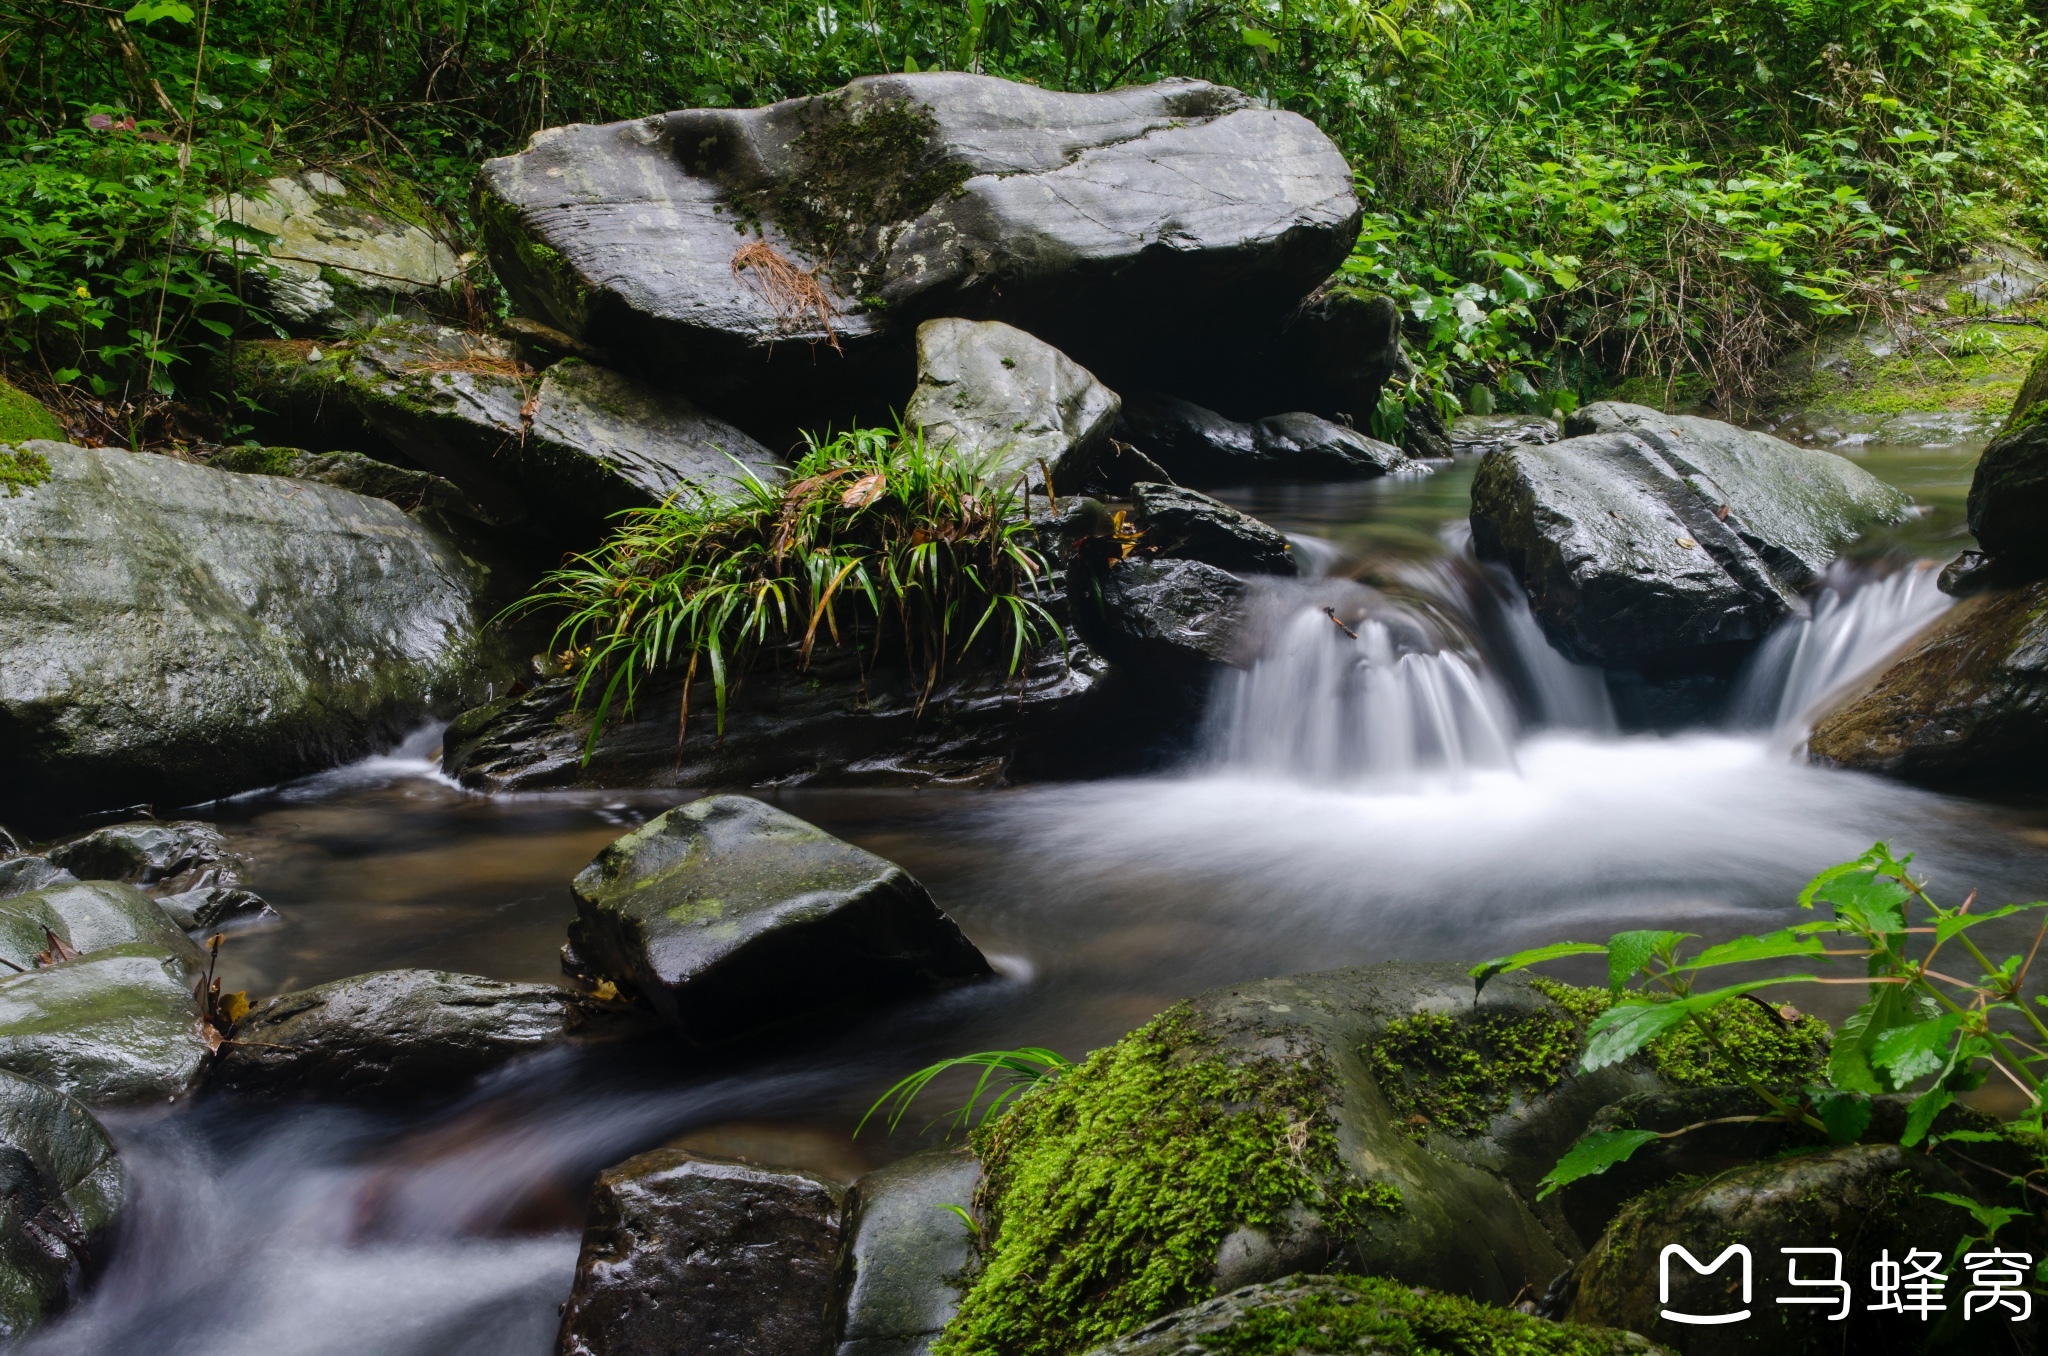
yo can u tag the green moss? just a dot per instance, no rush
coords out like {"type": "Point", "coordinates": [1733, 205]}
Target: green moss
{"type": "Point", "coordinates": [22, 417]}
{"type": "Point", "coordinates": [1766, 1047]}
{"type": "Point", "coordinates": [1440, 1073]}
{"type": "Point", "coordinates": [1983, 369]}
{"type": "Point", "coordinates": [1386, 1318]}
{"type": "Point", "coordinates": [866, 169]}
{"type": "Point", "coordinates": [21, 469]}
{"type": "Point", "coordinates": [259, 461]}
{"type": "Point", "coordinates": [1107, 1194]}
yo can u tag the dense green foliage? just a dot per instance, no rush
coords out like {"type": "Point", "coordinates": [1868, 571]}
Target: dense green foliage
{"type": "Point", "coordinates": [875, 538]}
{"type": "Point", "coordinates": [1561, 194]}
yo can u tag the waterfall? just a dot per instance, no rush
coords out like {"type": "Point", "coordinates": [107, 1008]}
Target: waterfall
{"type": "Point", "coordinates": [1857, 623]}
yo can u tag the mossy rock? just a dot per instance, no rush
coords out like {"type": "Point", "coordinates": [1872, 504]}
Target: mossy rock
{"type": "Point", "coordinates": [1357, 1316]}
{"type": "Point", "coordinates": [114, 1027]}
{"type": "Point", "coordinates": [2009, 493]}
{"type": "Point", "coordinates": [22, 418]}
{"type": "Point", "coordinates": [65, 1191]}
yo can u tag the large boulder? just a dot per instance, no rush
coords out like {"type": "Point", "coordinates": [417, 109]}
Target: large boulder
{"type": "Point", "coordinates": [89, 917]}
{"type": "Point", "coordinates": [1185, 525]}
{"type": "Point", "coordinates": [146, 852]}
{"type": "Point", "coordinates": [1967, 703]}
{"type": "Point", "coordinates": [1154, 220]}
{"type": "Point", "coordinates": [906, 1253]}
{"type": "Point", "coordinates": [729, 916]}
{"type": "Point", "coordinates": [1197, 446]}
{"type": "Point", "coordinates": [563, 448]}
{"type": "Point", "coordinates": [173, 633]}
{"type": "Point", "coordinates": [2008, 504]}
{"type": "Point", "coordinates": [339, 256]}
{"type": "Point", "coordinates": [685, 1253]}
{"type": "Point", "coordinates": [1662, 542]}
{"type": "Point", "coordinates": [995, 396]}
{"type": "Point", "coordinates": [62, 1190]}
{"type": "Point", "coordinates": [403, 1035]}
{"type": "Point", "coordinates": [1368, 1315]}
{"type": "Point", "coordinates": [1868, 1201]}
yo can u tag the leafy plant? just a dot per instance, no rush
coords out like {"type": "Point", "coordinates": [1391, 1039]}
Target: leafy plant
{"type": "Point", "coordinates": [1923, 1025]}
{"type": "Point", "coordinates": [1004, 1074]}
{"type": "Point", "coordinates": [873, 530]}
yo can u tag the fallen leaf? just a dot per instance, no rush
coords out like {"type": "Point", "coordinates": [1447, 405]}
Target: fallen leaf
{"type": "Point", "coordinates": [864, 491]}
{"type": "Point", "coordinates": [1722, 513]}
{"type": "Point", "coordinates": [234, 1006]}
{"type": "Point", "coordinates": [605, 992]}
{"type": "Point", "coordinates": [1687, 542]}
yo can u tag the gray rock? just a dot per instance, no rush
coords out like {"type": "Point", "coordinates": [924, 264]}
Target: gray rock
{"type": "Point", "coordinates": [1968, 703]}
{"type": "Point", "coordinates": [1334, 355]}
{"type": "Point", "coordinates": [1474, 434]}
{"type": "Point", "coordinates": [175, 633]}
{"type": "Point", "coordinates": [2009, 491]}
{"type": "Point", "coordinates": [1173, 614]}
{"type": "Point", "coordinates": [1865, 1199]}
{"type": "Point", "coordinates": [19, 875]}
{"type": "Point", "coordinates": [685, 1253]}
{"type": "Point", "coordinates": [1352, 1313]}
{"type": "Point", "coordinates": [1179, 212]}
{"type": "Point", "coordinates": [1184, 525]}
{"type": "Point", "coordinates": [339, 258]}
{"type": "Point", "coordinates": [402, 1035]}
{"type": "Point", "coordinates": [906, 1253]}
{"type": "Point", "coordinates": [64, 1190]}
{"type": "Point", "coordinates": [216, 906]}
{"type": "Point", "coordinates": [420, 493]}
{"type": "Point", "coordinates": [565, 448]}
{"type": "Point", "coordinates": [145, 852]}
{"type": "Point", "coordinates": [996, 396]}
{"type": "Point", "coordinates": [729, 916]}
{"type": "Point", "coordinates": [1659, 542]}
{"type": "Point", "coordinates": [89, 917]}
{"type": "Point", "coordinates": [1307, 447]}
{"type": "Point", "coordinates": [114, 1027]}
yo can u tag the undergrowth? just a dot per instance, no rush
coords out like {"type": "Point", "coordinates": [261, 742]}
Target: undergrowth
{"type": "Point", "coordinates": [1357, 1314]}
{"type": "Point", "coordinates": [1107, 1191]}
{"type": "Point", "coordinates": [875, 540]}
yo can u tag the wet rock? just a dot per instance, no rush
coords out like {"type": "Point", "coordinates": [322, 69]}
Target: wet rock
{"type": "Point", "coordinates": [1865, 1199]}
{"type": "Point", "coordinates": [715, 1258]}
{"type": "Point", "coordinates": [1198, 446]}
{"type": "Point", "coordinates": [341, 257]}
{"type": "Point", "coordinates": [212, 907]}
{"type": "Point", "coordinates": [1475, 434]}
{"type": "Point", "coordinates": [1363, 1314]}
{"type": "Point", "coordinates": [1424, 434]}
{"type": "Point", "coordinates": [115, 1027]}
{"type": "Point", "coordinates": [564, 448]}
{"type": "Point", "coordinates": [993, 395]}
{"type": "Point", "coordinates": [176, 633]}
{"type": "Point", "coordinates": [405, 1035]}
{"type": "Point", "coordinates": [1664, 542]}
{"type": "Point", "coordinates": [1178, 615]}
{"type": "Point", "coordinates": [906, 1253]}
{"type": "Point", "coordinates": [2009, 492]}
{"type": "Point", "coordinates": [89, 917]}
{"type": "Point", "coordinates": [63, 1194]}
{"type": "Point", "coordinates": [145, 853]}
{"type": "Point", "coordinates": [1334, 355]}
{"type": "Point", "coordinates": [420, 493]}
{"type": "Point", "coordinates": [831, 724]}
{"type": "Point", "coordinates": [19, 875]}
{"type": "Point", "coordinates": [1153, 220]}
{"type": "Point", "coordinates": [1184, 525]}
{"type": "Point", "coordinates": [1967, 703]}
{"type": "Point", "coordinates": [729, 916]}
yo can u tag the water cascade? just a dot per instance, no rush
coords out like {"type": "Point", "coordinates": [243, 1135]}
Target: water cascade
{"type": "Point", "coordinates": [1857, 622]}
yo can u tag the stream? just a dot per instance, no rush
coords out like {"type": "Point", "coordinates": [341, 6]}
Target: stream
{"type": "Point", "coordinates": [1417, 777]}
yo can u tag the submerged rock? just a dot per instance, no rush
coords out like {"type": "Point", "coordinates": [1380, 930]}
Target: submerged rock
{"type": "Point", "coordinates": [402, 1035]}
{"type": "Point", "coordinates": [564, 448]}
{"type": "Point", "coordinates": [685, 1253]}
{"type": "Point", "coordinates": [145, 853]}
{"type": "Point", "coordinates": [906, 1253]}
{"type": "Point", "coordinates": [1155, 220]}
{"type": "Point", "coordinates": [1867, 1200]}
{"type": "Point", "coordinates": [998, 398]}
{"type": "Point", "coordinates": [729, 917]}
{"type": "Point", "coordinates": [174, 633]}
{"type": "Point", "coordinates": [1198, 446]}
{"type": "Point", "coordinates": [1184, 525]}
{"type": "Point", "coordinates": [64, 1193]}
{"type": "Point", "coordinates": [1364, 1314]}
{"type": "Point", "coordinates": [339, 258]}
{"type": "Point", "coordinates": [1968, 702]}
{"type": "Point", "coordinates": [1666, 542]}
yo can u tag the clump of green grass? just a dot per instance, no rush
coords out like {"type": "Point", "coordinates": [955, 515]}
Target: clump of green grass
{"type": "Point", "coordinates": [874, 540]}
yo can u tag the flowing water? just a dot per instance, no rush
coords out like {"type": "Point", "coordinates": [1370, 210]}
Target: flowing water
{"type": "Point", "coordinates": [1409, 772]}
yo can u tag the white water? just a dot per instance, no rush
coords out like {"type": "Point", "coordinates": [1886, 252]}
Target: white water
{"type": "Point", "coordinates": [1857, 623]}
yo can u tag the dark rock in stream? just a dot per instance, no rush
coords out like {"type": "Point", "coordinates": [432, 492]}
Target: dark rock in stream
{"type": "Point", "coordinates": [1145, 225]}
{"type": "Point", "coordinates": [2008, 504]}
{"type": "Point", "coordinates": [1001, 400]}
{"type": "Point", "coordinates": [173, 633]}
{"type": "Point", "coordinates": [1177, 618]}
{"type": "Point", "coordinates": [19, 875]}
{"type": "Point", "coordinates": [1198, 446]}
{"type": "Point", "coordinates": [730, 917]}
{"type": "Point", "coordinates": [685, 1253]}
{"type": "Point", "coordinates": [216, 906]}
{"type": "Point", "coordinates": [1189, 526]}
{"type": "Point", "coordinates": [62, 1190]}
{"type": "Point", "coordinates": [906, 1254]}
{"type": "Point", "coordinates": [145, 853]}
{"type": "Point", "coordinates": [1667, 543]}
{"type": "Point", "coordinates": [404, 1035]}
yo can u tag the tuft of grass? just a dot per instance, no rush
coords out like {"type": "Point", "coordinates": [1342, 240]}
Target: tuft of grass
{"type": "Point", "coordinates": [1017, 1070]}
{"type": "Point", "coordinates": [875, 539]}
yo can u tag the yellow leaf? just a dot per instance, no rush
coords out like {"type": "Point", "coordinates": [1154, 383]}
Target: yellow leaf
{"type": "Point", "coordinates": [234, 1006]}
{"type": "Point", "coordinates": [606, 991]}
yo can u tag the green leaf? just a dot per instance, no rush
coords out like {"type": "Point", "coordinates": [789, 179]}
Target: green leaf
{"type": "Point", "coordinates": [1949, 924]}
{"type": "Point", "coordinates": [1845, 1114]}
{"type": "Point", "coordinates": [1991, 1218]}
{"type": "Point", "coordinates": [149, 11]}
{"type": "Point", "coordinates": [1628, 952]}
{"type": "Point", "coordinates": [1520, 960]}
{"type": "Point", "coordinates": [1627, 1027]}
{"type": "Point", "coordinates": [1873, 903]}
{"type": "Point", "coordinates": [1771, 946]}
{"type": "Point", "coordinates": [1593, 1155]}
{"type": "Point", "coordinates": [1920, 1115]}
{"type": "Point", "coordinates": [1910, 1053]}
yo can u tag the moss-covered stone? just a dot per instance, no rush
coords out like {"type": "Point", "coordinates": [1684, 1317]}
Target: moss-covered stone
{"type": "Point", "coordinates": [1109, 1193]}
{"type": "Point", "coordinates": [22, 468]}
{"type": "Point", "coordinates": [1438, 1073]}
{"type": "Point", "coordinates": [65, 1189]}
{"type": "Point", "coordinates": [1752, 1042]}
{"type": "Point", "coordinates": [22, 418]}
{"type": "Point", "coordinates": [1357, 1315]}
